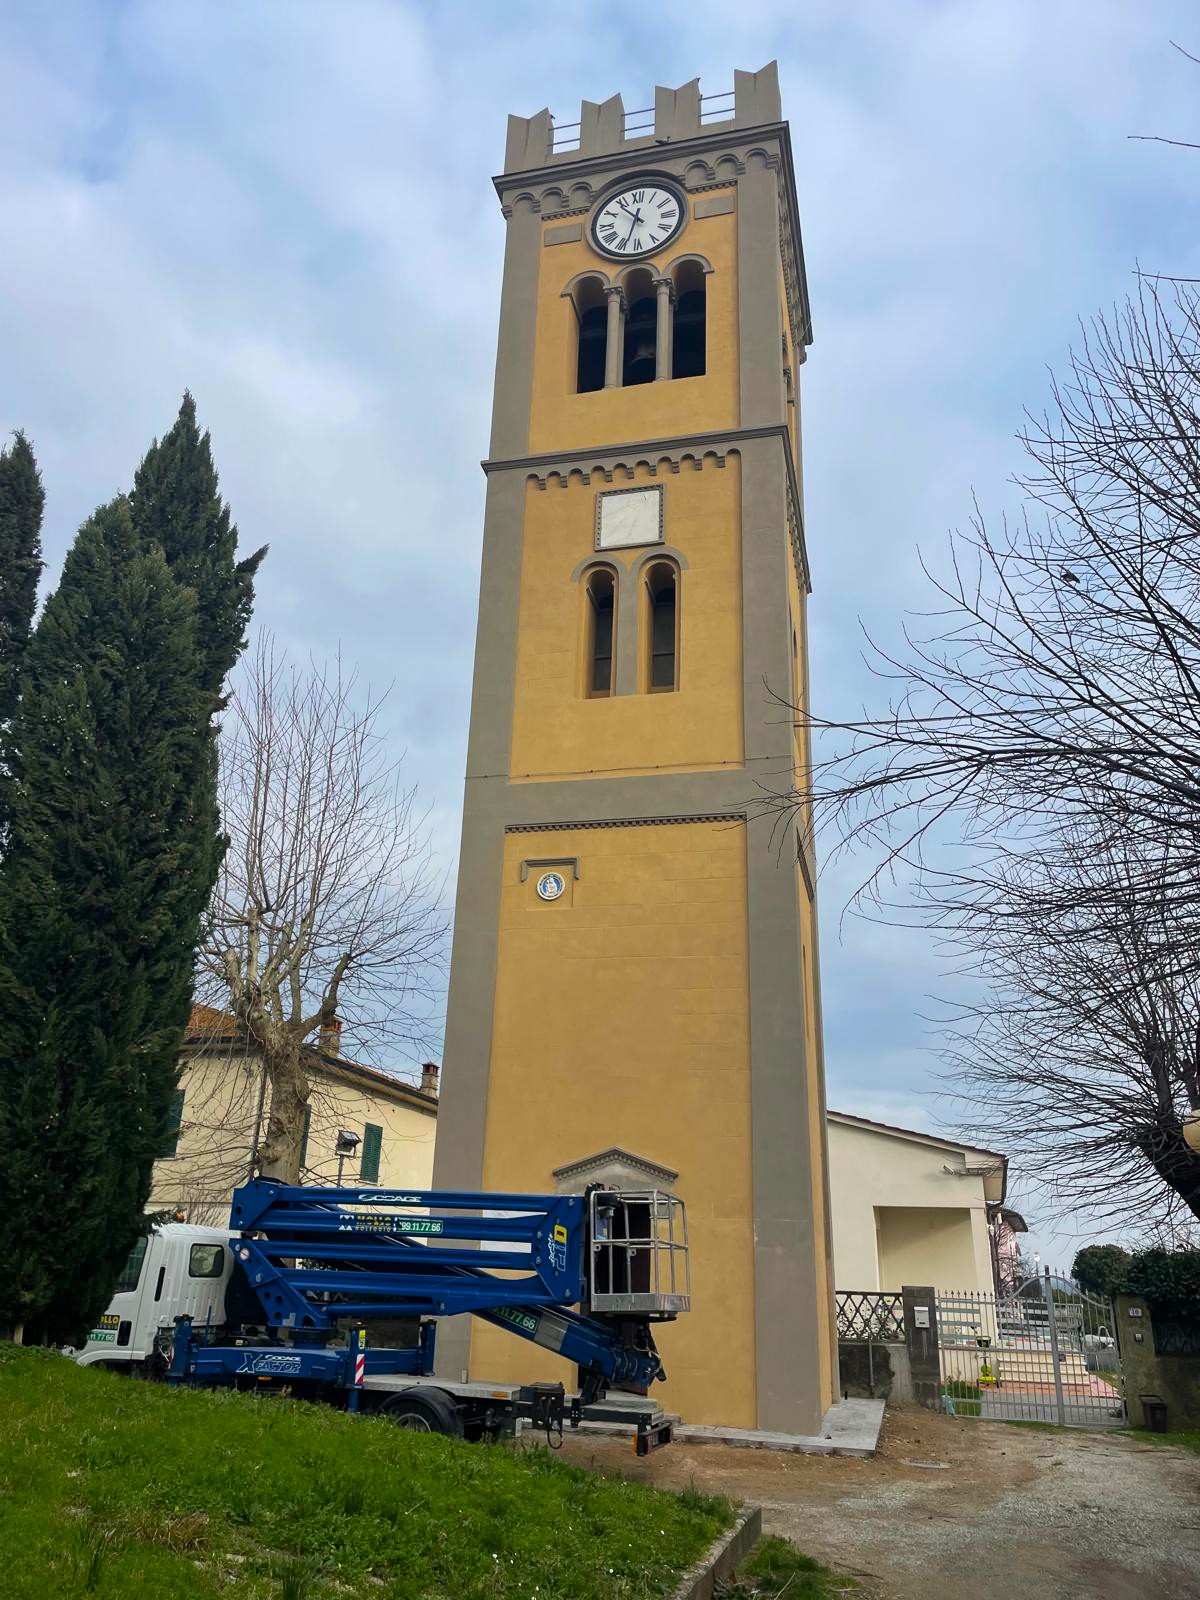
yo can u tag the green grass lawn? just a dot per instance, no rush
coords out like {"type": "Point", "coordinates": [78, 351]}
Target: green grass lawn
{"type": "Point", "coordinates": [777, 1571]}
{"type": "Point", "coordinates": [111, 1487]}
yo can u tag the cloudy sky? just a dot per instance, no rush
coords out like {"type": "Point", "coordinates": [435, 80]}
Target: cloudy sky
{"type": "Point", "coordinates": [284, 205]}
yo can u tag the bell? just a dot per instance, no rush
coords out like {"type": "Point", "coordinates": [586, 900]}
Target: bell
{"type": "Point", "coordinates": [640, 363]}
{"type": "Point", "coordinates": [644, 349]}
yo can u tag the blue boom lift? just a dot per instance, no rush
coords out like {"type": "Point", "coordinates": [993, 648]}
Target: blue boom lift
{"type": "Point", "coordinates": [583, 1275]}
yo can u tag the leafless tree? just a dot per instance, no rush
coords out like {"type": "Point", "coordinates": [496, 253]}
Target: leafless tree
{"type": "Point", "coordinates": [1083, 1054]}
{"type": "Point", "coordinates": [327, 905]}
{"type": "Point", "coordinates": [1035, 782]}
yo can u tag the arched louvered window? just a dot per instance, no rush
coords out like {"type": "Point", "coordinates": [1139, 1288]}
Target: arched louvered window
{"type": "Point", "coordinates": [662, 632]}
{"type": "Point", "coordinates": [689, 332]}
{"type": "Point", "coordinates": [592, 314]}
{"type": "Point", "coordinates": [600, 622]}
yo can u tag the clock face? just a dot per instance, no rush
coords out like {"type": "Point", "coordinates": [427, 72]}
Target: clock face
{"type": "Point", "coordinates": [638, 220]}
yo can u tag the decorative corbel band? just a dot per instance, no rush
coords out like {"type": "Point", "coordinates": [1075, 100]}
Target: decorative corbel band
{"type": "Point", "coordinates": [622, 822]}
{"type": "Point", "coordinates": [561, 477]}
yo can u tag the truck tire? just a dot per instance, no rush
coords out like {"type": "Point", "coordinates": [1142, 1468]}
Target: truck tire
{"type": "Point", "coordinates": [424, 1411]}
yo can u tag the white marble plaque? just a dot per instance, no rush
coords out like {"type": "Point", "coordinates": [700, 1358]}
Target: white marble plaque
{"type": "Point", "coordinates": [627, 517]}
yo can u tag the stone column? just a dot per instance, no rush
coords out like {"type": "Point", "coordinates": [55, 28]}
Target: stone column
{"type": "Point", "coordinates": [614, 348]}
{"type": "Point", "coordinates": [665, 328]}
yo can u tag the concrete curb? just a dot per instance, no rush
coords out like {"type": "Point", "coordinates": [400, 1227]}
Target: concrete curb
{"type": "Point", "coordinates": [722, 1558]}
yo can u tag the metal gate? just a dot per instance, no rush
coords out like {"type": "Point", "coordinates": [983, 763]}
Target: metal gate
{"type": "Point", "coordinates": [1047, 1353]}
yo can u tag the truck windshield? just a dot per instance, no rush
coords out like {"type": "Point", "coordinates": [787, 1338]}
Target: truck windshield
{"type": "Point", "coordinates": [132, 1270]}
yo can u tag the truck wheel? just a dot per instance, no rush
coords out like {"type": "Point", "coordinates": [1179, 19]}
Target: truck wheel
{"type": "Point", "coordinates": [424, 1411]}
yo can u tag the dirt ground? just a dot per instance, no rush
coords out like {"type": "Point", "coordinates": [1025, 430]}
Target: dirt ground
{"type": "Point", "coordinates": [997, 1512]}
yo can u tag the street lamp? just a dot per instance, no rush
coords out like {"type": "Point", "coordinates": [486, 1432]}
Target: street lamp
{"type": "Point", "coordinates": [347, 1143]}
{"type": "Point", "coordinates": [1191, 1131]}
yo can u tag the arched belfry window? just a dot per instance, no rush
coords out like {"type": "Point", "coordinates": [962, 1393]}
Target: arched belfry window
{"type": "Point", "coordinates": [641, 330]}
{"type": "Point", "coordinates": [662, 630]}
{"type": "Point", "coordinates": [591, 310]}
{"type": "Point", "coordinates": [600, 622]}
{"type": "Point", "coordinates": [689, 334]}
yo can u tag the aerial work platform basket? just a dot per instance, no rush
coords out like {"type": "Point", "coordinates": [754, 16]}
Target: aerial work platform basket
{"type": "Point", "coordinates": [639, 1253]}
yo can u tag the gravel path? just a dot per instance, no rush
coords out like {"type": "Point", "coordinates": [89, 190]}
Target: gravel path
{"type": "Point", "coordinates": [965, 1508]}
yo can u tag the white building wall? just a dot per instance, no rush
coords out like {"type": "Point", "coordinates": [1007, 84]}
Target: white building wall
{"type": "Point", "coordinates": [872, 1169]}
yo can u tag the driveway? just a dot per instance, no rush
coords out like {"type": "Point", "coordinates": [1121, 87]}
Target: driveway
{"type": "Point", "coordinates": [995, 1512]}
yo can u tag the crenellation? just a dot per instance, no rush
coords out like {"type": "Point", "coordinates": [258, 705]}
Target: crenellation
{"type": "Point", "coordinates": [606, 128]}
{"type": "Point", "coordinates": [756, 97]}
{"type": "Point", "coordinates": [529, 141]}
{"type": "Point", "coordinates": [677, 112]}
{"type": "Point", "coordinates": [601, 126]}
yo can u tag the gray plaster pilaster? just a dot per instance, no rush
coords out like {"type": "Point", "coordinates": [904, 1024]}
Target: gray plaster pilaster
{"type": "Point", "coordinates": [462, 1109]}
{"type": "Point", "coordinates": [760, 316]}
{"type": "Point", "coordinates": [512, 395]}
{"type": "Point", "coordinates": [784, 1251]}
{"type": "Point", "coordinates": [496, 632]}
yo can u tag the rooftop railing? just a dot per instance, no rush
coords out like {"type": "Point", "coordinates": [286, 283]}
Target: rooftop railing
{"type": "Point", "coordinates": [565, 136]}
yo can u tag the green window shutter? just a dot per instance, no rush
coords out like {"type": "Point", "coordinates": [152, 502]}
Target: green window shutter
{"type": "Point", "coordinates": [304, 1138]}
{"type": "Point", "coordinates": [371, 1148]}
{"type": "Point", "coordinates": [171, 1142]}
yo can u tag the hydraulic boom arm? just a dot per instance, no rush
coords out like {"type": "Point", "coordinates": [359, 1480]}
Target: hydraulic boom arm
{"type": "Point", "coordinates": [320, 1259]}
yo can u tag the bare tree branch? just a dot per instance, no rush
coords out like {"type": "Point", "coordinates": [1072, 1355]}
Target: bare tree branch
{"type": "Point", "coordinates": [1035, 781]}
{"type": "Point", "coordinates": [328, 904]}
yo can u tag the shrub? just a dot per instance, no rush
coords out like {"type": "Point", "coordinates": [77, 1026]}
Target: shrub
{"type": "Point", "coordinates": [1168, 1279]}
{"type": "Point", "coordinates": [1101, 1268]}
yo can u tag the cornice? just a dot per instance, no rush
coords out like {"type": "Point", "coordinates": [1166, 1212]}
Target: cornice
{"type": "Point", "coordinates": [669, 444]}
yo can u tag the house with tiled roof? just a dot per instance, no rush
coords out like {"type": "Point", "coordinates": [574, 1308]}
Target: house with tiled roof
{"type": "Point", "coordinates": [913, 1206]}
{"type": "Point", "coordinates": [221, 1108]}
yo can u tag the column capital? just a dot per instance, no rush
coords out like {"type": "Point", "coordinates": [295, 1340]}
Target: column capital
{"type": "Point", "coordinates": [615, 291]}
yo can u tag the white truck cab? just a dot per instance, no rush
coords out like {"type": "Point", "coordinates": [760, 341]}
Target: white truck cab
{"type": "Point", "coordinates": [178, 1269]}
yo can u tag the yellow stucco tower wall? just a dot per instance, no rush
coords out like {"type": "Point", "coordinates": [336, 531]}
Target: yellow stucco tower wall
{"type": "Point", "coordinates": [662, 1013]}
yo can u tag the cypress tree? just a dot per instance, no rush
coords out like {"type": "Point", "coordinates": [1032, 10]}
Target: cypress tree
{"type": "Point", "coordinates": [97, 921]}
{"type": "Point", "coordinates": [21, 503]}
{"type": "Point", "coordinates": [116, 846]}
{"type": "Point", "coordinates": [176, 504]}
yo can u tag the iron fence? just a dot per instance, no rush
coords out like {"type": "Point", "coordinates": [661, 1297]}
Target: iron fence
{"type": "Point", "coordinates": [870, 1316]}
{"type": "Point", "coordinates": [1173, 1336]}
{"type": "Point", "coordinates": [1045, 1354]}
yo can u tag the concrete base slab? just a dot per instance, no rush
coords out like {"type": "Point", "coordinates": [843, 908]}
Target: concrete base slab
{"type": "Point", "coordinates": [849, 1428]}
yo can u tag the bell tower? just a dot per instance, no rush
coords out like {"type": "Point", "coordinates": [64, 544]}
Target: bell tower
{"type": "Point", "coordinates": [634, 986]}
